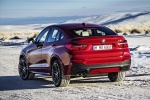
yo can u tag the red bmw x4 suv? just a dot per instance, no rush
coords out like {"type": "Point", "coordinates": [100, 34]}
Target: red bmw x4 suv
{"type": "Point", "coordinates": [79, 49]}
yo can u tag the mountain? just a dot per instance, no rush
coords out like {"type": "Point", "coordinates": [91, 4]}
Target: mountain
{"type": "Point", "coordinates": [116, 19]}
{"type": "Point", "coordinates": [36, 20]}
{"type": "Point", "coordinates": [130, 18]}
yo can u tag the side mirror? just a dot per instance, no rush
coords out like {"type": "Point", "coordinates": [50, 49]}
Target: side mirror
{"type": "Point", "coordinates": [31, 40]}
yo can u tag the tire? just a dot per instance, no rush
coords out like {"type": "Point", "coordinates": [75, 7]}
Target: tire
{"type": "Point", "coordinates": [117, 77]}
{"type": "Point", "coordinates": [24, 70]}
{"type": "Point", "coordinates": [58, 77]}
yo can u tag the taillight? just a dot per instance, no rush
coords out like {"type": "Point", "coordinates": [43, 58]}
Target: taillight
{"type": "Point", "coordinates": [122, 44]}
{"type": "Point", "coordinates": [75, 47]}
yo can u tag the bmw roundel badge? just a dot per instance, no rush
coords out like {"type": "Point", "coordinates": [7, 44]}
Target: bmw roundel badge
{"type": "Point", "coordinates": [103, 41]}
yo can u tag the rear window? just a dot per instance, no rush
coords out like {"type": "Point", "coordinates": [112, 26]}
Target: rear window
{"type": "Point", "coordinates": [102, 31]}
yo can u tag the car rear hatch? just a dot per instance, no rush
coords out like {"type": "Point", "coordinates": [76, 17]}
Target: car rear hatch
{"type": "Point", "coordinates": [97, 49]}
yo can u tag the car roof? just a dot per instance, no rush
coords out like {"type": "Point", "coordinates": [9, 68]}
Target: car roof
{"type": "Point", "coordinates": [76, 25]}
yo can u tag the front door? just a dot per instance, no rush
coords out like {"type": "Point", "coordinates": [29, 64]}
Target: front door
{"type": "Point", "coordinates": [35, 57]}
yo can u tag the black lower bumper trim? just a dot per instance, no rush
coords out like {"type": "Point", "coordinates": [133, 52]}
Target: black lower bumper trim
{"type": "Point", "coordinates": [80, 68]}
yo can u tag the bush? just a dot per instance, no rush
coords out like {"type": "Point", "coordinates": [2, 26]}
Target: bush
{"type": "Point", "coordinates": [135, 31]}
{"type": "Point", "coordinates": [125, 34]}
{"type": "Point", "coordinates": [130, 29]}
{"type": "Point", "coordinates": [147, 31]}
{"type": "Point", "coordinates": [15, 37]}
{"type": "Point", "coordinates": [118, 31]}
{"type": "Point", "coordinates": [34, 35]}
{"type": "Point", "coordinates": [4, 38]}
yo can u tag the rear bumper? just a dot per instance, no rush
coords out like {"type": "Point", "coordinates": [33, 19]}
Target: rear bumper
{"type": "Point", "coordinates": [100, 68]}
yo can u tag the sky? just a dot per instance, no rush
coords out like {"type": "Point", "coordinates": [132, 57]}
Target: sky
{"type": "Point", "coordinates": [59, 8]}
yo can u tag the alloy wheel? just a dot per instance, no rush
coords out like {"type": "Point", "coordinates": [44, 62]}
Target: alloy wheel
{"type": "Point", "coordinates": [56, 73]}
{"type": "Point", "coordinates": [23, 69]}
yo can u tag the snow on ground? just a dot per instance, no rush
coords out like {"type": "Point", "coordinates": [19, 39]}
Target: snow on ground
{"type": "Point", "coordinates": [135, 87]}
{"type": "Point", "coordinates": [140, 52]}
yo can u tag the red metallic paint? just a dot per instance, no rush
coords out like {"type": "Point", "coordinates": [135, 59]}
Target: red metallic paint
{"type": "Point", "coordinates": [40, 56]}
{"type": "Point", "coordinates": [104, 70]}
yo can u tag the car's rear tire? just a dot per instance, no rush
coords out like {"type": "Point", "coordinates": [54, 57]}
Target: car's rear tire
{"type": "Point", "coordinates": [117, 77]}
{"type": "Point", "coordinates": [59, 79]}
{"type": "Point", "coordinates": [24, 70]}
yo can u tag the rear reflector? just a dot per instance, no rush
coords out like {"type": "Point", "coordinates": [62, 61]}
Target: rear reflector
{"type": "Point", "coordinates": [104, 70]}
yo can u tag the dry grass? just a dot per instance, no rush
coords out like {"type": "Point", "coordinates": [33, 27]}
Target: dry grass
{"type": "Point", "coordinates": [125, 29]}
{"type": "Point", "coordinates": [130, 29]}
{"type": "Point", "coordinates": [4, 36]}
{"type": "Point", "coordinates": [35, 34]}
{"type": "Point", "coordinates": [18, 34]}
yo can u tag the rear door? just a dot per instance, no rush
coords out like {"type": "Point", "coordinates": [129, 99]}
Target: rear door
{"type": "Point", "coordinates": [49, 46]}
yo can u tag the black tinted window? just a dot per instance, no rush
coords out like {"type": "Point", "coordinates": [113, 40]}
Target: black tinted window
{"type": "Point", "coordinates": [52, 35]}
{"type": "Point", "coordinates": [58, 36]}
{"type": "Point", "coordinates": [92, 31]}
{"type": "Point", "coordinates": [61, 36]}
{"type": "Point", "coordinates": [55, 35]}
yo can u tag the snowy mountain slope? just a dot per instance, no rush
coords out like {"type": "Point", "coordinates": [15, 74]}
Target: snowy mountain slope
{"type": "Point", "coordinates": [131, 18]}
{"type": "Point", "coordinates": [115, 19]}
{"type": "Point", "coordinates": [118, 18]}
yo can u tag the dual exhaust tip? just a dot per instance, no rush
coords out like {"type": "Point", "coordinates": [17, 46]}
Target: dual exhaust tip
{"type": "Point", "coordinates": [82, 74]}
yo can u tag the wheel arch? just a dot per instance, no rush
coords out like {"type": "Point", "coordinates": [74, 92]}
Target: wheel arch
{"type": "Point", "coordinates": [56, 57]}
{"type": "Point", "coordinates": [22, 55]}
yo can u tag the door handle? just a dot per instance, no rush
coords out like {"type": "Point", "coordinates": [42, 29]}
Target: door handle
{"type": "Point", "coordinates": [39, 47]}
{"type": "Point", "coordinates": [53, 44]}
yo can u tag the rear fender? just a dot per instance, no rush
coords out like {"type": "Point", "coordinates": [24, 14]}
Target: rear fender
{"type": "Point", "coordinates": [56, 57]}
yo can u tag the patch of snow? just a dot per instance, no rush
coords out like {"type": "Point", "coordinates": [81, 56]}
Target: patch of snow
{"type": "Point", "coordinates": [140, 54]}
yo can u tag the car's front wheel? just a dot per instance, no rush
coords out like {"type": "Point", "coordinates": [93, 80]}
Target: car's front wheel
{"type": "Point", "coordinates": [24, 70]}
{"type": "Point", "coordinates": [117, 77]}
{"type": "Point", "coordinates": [59, 79]}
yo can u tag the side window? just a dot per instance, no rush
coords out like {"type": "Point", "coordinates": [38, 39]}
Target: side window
{"type": "Point", "coordinates": [61, 36]}
{"type": "Point", "coordinates": [52, 35]}
{"type": "Point", "coordinates": [42, 36]}
{"type": "Point", "coordinates": [55, 35]}
{"type": "Point", "coordinates": [100, 32]}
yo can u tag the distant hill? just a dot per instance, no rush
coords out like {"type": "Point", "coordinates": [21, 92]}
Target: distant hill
{"type": "Point", "coordinates": [36, 20]}
{"type": "Point", "coordinates": [116, 19]}
{"type": "Point", "coordinates": [38, 23]}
